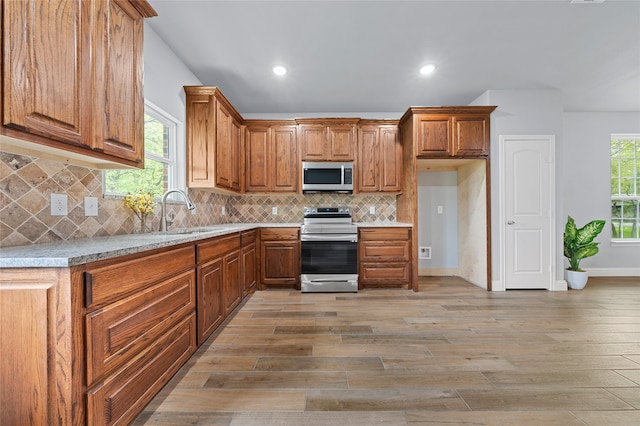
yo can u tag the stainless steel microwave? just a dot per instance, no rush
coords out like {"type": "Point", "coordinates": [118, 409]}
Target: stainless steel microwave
{"type": "Point", "coordinates": [328, 176]}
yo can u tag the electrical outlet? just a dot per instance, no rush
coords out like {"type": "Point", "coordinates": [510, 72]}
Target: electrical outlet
{"type": "Point", "coordinates": [440, 209]}
{"type": "Point", "coordinates": [58, 204]}
{"type": "Point", "coordinates": [90, 206]}
{"type": "Point", "coordinates": [274, 211]}
{"type": "Point", "coordinates": [424, 253]}
{"type": "Point", "coordinates": [223, 211]}
{"type": "Point", "coordinates": [372, 209]}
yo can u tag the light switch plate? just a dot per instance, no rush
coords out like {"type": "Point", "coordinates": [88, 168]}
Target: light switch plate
{"type": "Point", "coordinates": [58, 204]}
{"type": "Point", "coordinates": [274, 210]}
{"type": "Point", "coordinates": [372, 209]}
{"type": "Point", "coordinates": [90, 206]}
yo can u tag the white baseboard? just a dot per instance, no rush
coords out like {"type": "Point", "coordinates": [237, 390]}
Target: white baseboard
{"type": "Point", "coordinates": [559, 285]}
{"type": "Point", "coordinates": [497, 286]}
{"type": "Point", "coordinates": [613, 272]}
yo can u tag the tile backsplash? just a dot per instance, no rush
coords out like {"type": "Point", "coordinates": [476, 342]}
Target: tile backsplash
{"type": "Point", "coordinates": [26, 185]}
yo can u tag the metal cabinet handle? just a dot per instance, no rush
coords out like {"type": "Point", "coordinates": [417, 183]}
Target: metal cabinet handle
{"type": "Point", "coordinates": [510, 222]}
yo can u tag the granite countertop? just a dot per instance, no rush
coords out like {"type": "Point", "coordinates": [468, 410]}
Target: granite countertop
{"type": "Point", "coordinates": [63, 254]}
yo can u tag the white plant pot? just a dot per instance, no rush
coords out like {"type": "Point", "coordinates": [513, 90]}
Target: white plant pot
{"type": "Point", "coordinates": [577, 279]}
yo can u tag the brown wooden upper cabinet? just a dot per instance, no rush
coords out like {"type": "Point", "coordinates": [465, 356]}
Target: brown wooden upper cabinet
{"type": "Point", "coordinates": [271, 156]}
{"type": "Point", "coordinates": [379, 160]}
{"type": "Point", "coordinates": [214, 141]}
{"type": "Point", "coordinates": [327, 139]}
{"type": "Point", "coordinates": [89, 101]}
{"type": "Point", "coordinates": [451, 131]}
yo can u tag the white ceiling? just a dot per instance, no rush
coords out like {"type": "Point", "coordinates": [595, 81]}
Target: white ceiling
{"type": "Point", "coordinates": [363, 56]}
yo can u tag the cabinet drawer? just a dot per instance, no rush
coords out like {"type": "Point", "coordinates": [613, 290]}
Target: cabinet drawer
{"type": "Point", "coordinates": [215, 248]}
{"type": "Point", "coordinates": [119, 331]}
{"type": "Point", "coordinates": [384, 251]}
{"type": "Point", "coordinates": [122, 396]}
{"type": "Point", "coordinates": [248, 237]}
{"type": "Point", "coordinates": [384, 234]}
{"type": "Point", "coordinates": [112, 282]}
{"type": "Point", "coordinates": [387, 273]}
{"type": "Point", "coordinates": [279, 234]}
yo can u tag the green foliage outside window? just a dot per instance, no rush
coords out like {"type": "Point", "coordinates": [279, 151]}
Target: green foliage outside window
{"type": "Point", "coordinates": [154, 177]}
{"type": "Point", "coordinates": [625, 187]}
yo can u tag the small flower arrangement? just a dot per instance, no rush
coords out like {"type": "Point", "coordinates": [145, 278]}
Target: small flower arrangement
{"type": "Point", "coordinates": [142, 203]}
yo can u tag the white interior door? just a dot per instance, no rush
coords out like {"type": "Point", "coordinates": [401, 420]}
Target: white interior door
{"type": "Point", "coordinates": [527, 211]}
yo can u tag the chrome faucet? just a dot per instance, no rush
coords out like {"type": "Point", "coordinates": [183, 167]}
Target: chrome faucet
{"type": "Point", "coordinates": [163, 211]}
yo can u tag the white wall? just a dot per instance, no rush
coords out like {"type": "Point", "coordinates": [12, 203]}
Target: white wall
{"type": "Point", "coordinates": [438, 231]}
{"type": "Point", "coordinates": [164, 75]}
{"type": "Point", "coordinates": [582, 156]}
{"type": "Point", "coordinates": [587, 190]}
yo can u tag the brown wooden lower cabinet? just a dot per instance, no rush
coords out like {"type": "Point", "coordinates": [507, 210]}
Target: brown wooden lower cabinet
{"type": "Point", "coordinates": [384, 255]}
{"type": "Point", "coordinates": [94, 343]}
{"type": "Point", "coordinates": [279, 258]}
{"type": "Point", "coordinates": [249, 262]}
{"type": "Point", "coordinates": [219, 284]}
{"type": "Point", "coordinates": [139, 327]}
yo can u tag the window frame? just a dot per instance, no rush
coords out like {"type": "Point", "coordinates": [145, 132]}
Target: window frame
{"type": "Point", "coordinates": [176, 154]}
{"type": "Point", "coordinates": [622, 198]}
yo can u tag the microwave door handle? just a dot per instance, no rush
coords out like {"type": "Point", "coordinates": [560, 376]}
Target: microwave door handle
{"type": "Point", "coordinates": [342, 174]}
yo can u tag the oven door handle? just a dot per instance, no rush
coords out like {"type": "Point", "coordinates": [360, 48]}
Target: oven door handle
{"type": "Point", "coordinates": [331, 280]}
{"type": "Point", "coordinates": [352, 238]}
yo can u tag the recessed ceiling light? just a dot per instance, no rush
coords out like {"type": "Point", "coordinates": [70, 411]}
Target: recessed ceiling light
{"type": "Point", "coordinates": [279, 70]}
{"type": "Point", "coordinates": [427, 69]}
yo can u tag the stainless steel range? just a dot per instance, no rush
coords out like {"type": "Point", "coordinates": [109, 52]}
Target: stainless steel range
{"type": "Point", "coordinates": [329, 242]}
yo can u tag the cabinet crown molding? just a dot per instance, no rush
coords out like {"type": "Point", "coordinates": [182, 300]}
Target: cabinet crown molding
{"type": "Point", "coordinates": [447, 110]}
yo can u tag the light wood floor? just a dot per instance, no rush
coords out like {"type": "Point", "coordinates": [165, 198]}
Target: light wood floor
{"type": "Point", "coordinates": [449, 354]}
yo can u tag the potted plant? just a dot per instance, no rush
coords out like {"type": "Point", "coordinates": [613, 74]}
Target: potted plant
{"type": "Point", "coordinates": [579, 244]}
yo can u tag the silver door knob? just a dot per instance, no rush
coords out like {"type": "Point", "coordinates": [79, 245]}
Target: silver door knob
{"type": "Point", "coordinates": [510, 222]}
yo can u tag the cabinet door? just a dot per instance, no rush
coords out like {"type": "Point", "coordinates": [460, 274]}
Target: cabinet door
{"type": "Point", "coordinates": [279, 263]}
{"type": "Point", "coordinates": [46, 69]}
{"type": "Point", "coordinates": [258, 173]}
{"type": "Point", "coordinates": [284, 163]}
{"type": "Point", "coordinates": [119, 104]}
{"type": "Point", "coordinates": [434, 135]}
{"type": "Point", "coordinates": [237, 160]}
{"type": "Point", "coordinates": [390, 160]}
{"type": "Point", "coordinates": [209, 298]}
{"type": "Point", "coordinates": [470, 136]}
{"type": "Point", "coordinates": [248, 269]}
{"type": "Point", "coordinates": [341, 143]}
{"type": "Point", "coordinates": [232, 281]}
{"type": "Point", "coordinates": [314, 142]}
{"type": "Point", "coordinates": [200, 145]}
{"type": "Point", "coordinates": [224, 147]}
{"type": "Point", "coordinates": [368, 153]}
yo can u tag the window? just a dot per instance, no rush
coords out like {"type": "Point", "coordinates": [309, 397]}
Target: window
{"type": "Point", "coordinates": [161, 164]}
{"type": "Point", "coordinates": [625, 187]}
